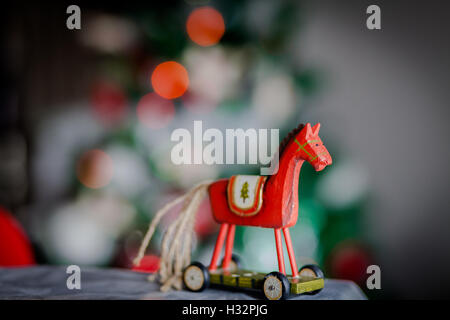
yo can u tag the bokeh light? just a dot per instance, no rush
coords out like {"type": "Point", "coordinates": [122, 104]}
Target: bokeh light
{"type": "Point", "coordinates": [345, 185]}
{"type": "Point", "coordinates": [349, 260]}
{"type": "Point", "coordinates": [215, 74]}
{"type": "Point", "coordinates": [170, 80]}
{"type": "Point", "coordinates": [149, 264]}
{"type": "Point", "coordinates": [197, 104]}
{"type": "Point", "coordinates": [95, 169]}
{"type": "Point", "coordinates": [205, 26]}
{"type": "Point", "coordinates": [76, 237]}
{"type": "Point", "coordinates": [155, 112]}
{"type": "Point", "coordinates": [108, 101]}
{"type": "Point", "coordinates": [274, 92]}
{"type": "Point", "coordinates": [130, 171]}
{"type": "Point", "coordinates": [109, 33]}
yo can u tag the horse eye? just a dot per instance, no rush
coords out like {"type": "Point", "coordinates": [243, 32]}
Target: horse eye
{"type": "Point", "coordinates": [317, 144]}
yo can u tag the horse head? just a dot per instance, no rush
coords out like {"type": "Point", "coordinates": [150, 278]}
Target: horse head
{"type": "Point", "coordinates": [311, 148]}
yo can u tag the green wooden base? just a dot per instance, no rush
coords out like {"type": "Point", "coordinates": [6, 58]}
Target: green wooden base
{"type": "Point", "coordinates": [254, 280]}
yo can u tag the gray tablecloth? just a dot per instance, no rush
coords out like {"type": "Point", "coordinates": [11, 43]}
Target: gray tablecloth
{"type": "Point", "coordinates": [49, 282]}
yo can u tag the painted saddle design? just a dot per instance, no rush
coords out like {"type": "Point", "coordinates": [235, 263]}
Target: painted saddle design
{"type": "Point", "coordinates": [244, 194]}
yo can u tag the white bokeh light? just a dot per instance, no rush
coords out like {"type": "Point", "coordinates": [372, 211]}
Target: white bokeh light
{"type": "Point", "coordinates": [130, 171]}
{"type": "Point", "coordinates": [77, 238]}
{"type": "Point", "coordinates": [274, 99]}
{"type": "Point", "coordinates": [344, 185]}
{"type": "Point", "coordinates": [214, 73]}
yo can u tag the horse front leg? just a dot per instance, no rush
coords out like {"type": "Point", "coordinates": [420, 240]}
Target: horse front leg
{"type": "Point", "coordinates": [218, 247]}
{"type": "Point", "coordinates": [290, 250]}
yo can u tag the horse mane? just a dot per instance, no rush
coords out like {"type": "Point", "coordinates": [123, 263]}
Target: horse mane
{"type": "Point", "coordinates": [286, 140]}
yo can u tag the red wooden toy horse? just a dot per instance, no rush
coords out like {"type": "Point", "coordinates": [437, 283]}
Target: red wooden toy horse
{"type": "Point", "coordinates": [258, 201]}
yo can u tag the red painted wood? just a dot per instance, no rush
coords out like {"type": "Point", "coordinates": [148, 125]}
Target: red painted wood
{"type": "Point", "coordinates": [229, 246]}
{"type": "Point", "coordinates": [290, 250]}
{"type": "Point", "coordinates": [280, 256]}
{"type": "Point", "coordinates": [218, 247]}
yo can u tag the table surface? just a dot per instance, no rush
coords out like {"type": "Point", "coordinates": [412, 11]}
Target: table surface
{"type": "Point", "coordinates": [49, 282]}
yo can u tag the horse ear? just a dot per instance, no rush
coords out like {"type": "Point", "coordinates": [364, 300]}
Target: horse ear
{"type": "Point", "coordinates": [316, 129]}
{"type": "Point", "coordinates": [308, 129]}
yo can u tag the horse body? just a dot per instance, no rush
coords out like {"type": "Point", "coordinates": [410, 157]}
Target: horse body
{"type": "Point", "coordinates": [279, 203]}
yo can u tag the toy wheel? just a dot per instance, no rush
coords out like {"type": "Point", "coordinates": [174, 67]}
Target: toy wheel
{"type": "Point", "coordinates": [196, 277]}
{"type": "Point", "coordinates": [276, 286]}
{"type": "Point", "coordinates": [235, 263]}
{"type": "Point", "coordinates": [313, 271]}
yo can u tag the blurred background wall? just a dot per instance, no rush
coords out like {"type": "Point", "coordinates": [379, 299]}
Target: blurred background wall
{"type": "Point", "coordinates": [69, 111]}
{"type": "Point", "coordinates": [387, 101]}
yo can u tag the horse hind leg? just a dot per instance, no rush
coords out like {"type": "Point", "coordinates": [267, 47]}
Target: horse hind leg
{"type": "Point", "coordinates": [218, 247]}
{"type": "Point", "coordinates": [279, 246]}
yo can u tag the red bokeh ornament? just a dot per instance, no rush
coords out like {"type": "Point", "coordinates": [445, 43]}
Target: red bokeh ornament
{"type": "Point", "coordinates": [149, 263]}
{"type": "Point", "coordinates": [15, 248]}
{"type": "Point", "coordinates": [350, 261]}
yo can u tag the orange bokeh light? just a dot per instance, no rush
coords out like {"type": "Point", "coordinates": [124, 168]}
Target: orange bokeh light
{"type": "Point", "coordinates": [95, 169]}
{"type": "Point", "coordinates": [155, 112]}
{"type": "Point", "coordinates": [170, 80]}
{"type": "Point", "coordinates": [205, 26]}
